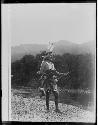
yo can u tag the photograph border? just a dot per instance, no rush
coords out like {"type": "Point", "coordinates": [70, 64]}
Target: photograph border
{"type": "Point", "coordinates": [8, 62]}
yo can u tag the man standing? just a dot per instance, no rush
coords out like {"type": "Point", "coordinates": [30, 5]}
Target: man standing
{"type": "Point", "coordinates": [49, 79]}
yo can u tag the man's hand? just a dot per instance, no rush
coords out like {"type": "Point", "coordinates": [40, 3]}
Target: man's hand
{"type": "Point", "coordinates": [38, 72]}
{"type": "Point", "coordinates": [66, 73]}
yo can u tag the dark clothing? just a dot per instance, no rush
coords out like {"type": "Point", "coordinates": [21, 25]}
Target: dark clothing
{"type": "Point", "coordinates": [47, 98]}
{"type": "Point", "coordinates": [49, 81]}
{"type": "Point", "coordinates": [51, 86]}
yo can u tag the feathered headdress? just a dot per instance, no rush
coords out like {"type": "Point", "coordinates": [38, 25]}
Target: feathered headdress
{"type": "Point", "coordinates": [49, 50]}
{"type": "Point", "coordinates": [50, 47]}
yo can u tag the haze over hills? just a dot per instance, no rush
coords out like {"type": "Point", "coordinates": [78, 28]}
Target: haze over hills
{"type": "Point", "coordinates": [60, 47]}
{"type": "Point", "coordinates": [18, 52]}
{"type": "Point", "coordinates": [63, 46]}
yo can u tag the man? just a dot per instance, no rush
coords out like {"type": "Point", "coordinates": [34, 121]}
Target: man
{"type": "Point", "coordinates": [49, 79]}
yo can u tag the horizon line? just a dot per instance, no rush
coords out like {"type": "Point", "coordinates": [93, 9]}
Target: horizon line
{"type": "Point", "coordinates": [51, 42]}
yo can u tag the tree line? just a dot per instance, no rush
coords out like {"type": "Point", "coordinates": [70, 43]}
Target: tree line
{"type": "Point", "coordinates": [81, 70]}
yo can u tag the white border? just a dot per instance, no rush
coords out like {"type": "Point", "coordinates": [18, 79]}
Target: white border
{"type": "Point", "coordinates": [6, 62]}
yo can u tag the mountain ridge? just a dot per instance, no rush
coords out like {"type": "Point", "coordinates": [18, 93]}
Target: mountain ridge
{"type": "Point", "coordinates": [60, 47]}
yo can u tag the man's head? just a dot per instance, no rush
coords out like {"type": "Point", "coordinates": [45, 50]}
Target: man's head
{"type": "Point", "coordinates": [48, 57]}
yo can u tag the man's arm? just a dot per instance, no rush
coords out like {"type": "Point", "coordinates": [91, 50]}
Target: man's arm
{"type": "Point", "coordinates": [41, 69]}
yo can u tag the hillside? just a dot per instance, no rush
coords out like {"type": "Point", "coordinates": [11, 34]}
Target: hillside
{"type": "Point", "coordinates": [63, 46]}
{"type": "Point", "coordinates": [18, 52]}
{"type": "Point", "coordinates": [60, 47]}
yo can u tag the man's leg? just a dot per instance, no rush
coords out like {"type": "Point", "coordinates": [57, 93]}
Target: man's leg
{"type": "Point", "coordinates": [47, 99]}
{"type": "Point", "coordinates": [56, 99]}
{"type": "Point", "coordinates": [56, 94]}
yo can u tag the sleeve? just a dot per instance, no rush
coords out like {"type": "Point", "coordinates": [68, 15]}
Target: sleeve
{"type": "Point", "coordinates": [41, 68]}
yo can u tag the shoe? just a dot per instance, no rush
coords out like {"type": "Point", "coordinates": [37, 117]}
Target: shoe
{"type": "Point", "coordinates": [57, 110]}
{"type": "Point", "coordinates": [47, 110]}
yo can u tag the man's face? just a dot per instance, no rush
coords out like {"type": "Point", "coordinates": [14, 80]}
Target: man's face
{"type": "Point", "coordinates": [51, 57]}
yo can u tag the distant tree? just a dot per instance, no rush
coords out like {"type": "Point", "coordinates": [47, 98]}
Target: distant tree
{"type": "Point", "coordinates": [80, 67]}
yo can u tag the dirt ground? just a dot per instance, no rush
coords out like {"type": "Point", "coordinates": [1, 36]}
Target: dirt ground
{"type": "Point", "coordinates": [32, 108]}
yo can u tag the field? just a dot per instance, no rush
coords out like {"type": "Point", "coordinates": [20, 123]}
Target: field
{"type": "Point", "coordinates": [28, 106]}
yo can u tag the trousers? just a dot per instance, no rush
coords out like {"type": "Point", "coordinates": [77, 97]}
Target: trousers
{"type": "Point", "coordinates": [49, 83]}
{"type": "Point", "coordinates": [55, 93]}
